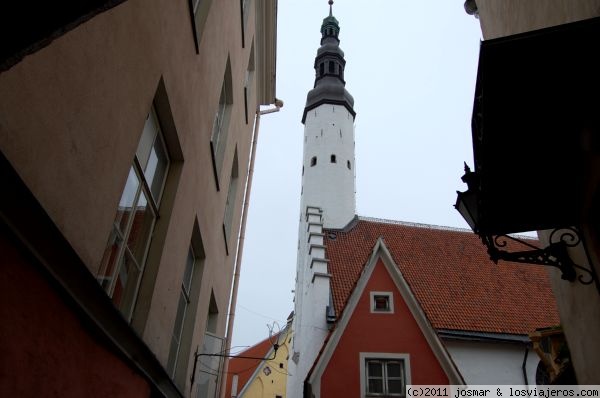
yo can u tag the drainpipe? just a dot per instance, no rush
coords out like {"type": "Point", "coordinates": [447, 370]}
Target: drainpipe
{"type": "Point", "coordinates": [240, 246]}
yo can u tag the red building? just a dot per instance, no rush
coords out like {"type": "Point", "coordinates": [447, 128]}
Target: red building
{"type": "Point", "coordinates": [420, 304]}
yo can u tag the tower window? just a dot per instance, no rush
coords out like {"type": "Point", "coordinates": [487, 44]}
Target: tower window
{"type": "Point", "coordinates": [331, 67]}
{"type": "Point", "coordinates": [349, 166]}
{"type": "Point", "coordinates": [321, 69]}
{"type": "Point", "coordinates": [333, 159]}
{"type": "Point", "coordinates": [313, 161]}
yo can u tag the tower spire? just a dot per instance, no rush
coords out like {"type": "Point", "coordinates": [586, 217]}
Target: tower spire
{"type": "Point", "coordinates": [329, 67]}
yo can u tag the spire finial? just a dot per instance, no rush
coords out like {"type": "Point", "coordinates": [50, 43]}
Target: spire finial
{"type": "Point", "coordinates": [330, 7]}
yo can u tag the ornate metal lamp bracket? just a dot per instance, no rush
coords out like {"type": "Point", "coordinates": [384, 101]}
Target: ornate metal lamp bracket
{"type": "Point", "coordinates": [554, 255]}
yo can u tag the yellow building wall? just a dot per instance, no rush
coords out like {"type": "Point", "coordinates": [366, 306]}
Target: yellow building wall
{"type": "Point", "coordinates": [271, 379]}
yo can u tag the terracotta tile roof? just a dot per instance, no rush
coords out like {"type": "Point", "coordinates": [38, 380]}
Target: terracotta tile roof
{"type": "Point", "coordinates": [244, 367]}
{"type": "Point", "coordinates": [451, 275]}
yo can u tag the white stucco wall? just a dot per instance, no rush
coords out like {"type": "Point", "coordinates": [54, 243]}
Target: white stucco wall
{"type": "Point", "coordinates": [492, 363]}
{"type": "Point", "coordinates": [329, 130]}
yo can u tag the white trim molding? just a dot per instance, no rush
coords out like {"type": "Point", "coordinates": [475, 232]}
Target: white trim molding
{"type": "Point", "coordinates": [363, 356]}
{"type": "Point", "coordinates": [390, 299]}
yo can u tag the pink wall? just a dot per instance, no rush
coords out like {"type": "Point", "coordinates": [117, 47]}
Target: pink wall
{"type": "Point", "coordinates": [45, 350]}
{"type": "Point", "coordinates": [383, 333]}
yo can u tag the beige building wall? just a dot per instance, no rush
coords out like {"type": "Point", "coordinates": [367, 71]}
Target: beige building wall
{"type": "Point", "coordinates": [71, 118]}
{"type": "Point", "coordinates": [579, 305]}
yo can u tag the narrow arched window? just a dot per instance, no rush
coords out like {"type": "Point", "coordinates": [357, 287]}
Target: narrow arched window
{"type": "Point", "coordinates": [321, 69]}
{"type": "Point", "coordinates": [333, 160]}
{"type": "Point", "coordinates": [331, 67]}
{"type": "Point", "coordinates": [313, 161]}
{"type": "Point", "coordinates": [349, 166]}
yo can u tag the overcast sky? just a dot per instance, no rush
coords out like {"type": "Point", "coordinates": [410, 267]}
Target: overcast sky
{"type": "Point", "coordinates": [411, 67]}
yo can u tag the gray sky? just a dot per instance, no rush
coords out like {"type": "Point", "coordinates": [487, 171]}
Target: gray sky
{"type": "Point", "coordinates": [411, 67]}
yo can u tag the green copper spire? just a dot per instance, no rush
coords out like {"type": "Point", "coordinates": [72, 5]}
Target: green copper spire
{"type": "Point", "coordinates": [330, 26]}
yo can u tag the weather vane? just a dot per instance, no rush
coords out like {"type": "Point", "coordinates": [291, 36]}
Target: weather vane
{"type": "Point", "coordinates": [330, 7]}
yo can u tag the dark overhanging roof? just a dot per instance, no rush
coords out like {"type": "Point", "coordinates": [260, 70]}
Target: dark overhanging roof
{"type": "Point", "coordinates": [537, 94]}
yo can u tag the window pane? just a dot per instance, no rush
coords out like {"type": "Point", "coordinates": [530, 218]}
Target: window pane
{"type": "Point", "coordinates": [189, 268]}
{"type": "Point", "coordinates": [394, 369]}
{"type": "Point", "coordinates": [394, 387]}
{"type": "Point", "coordinates": [141, 229]}
{"type": "Point", "coordinates": [181, 308]}
{"type": "Point", "coordinates": [147, 140]}
{"type": "Point", "coordinates": [375, 386]}
{"type": "Point", "coordinates": [156, 168]}
{"type": "Point", "coordinates": [374, 369]}
{"type": "Point", "coordinates": [173, 350]}
{"type": "Point", "coordinates": [382, 303]}
{"type": "Point", "coordinates": [127, 199]}
{"type": "Point", "coordinates": [126, 284]}
{"type": "Point", "coordinates": [109, 260]}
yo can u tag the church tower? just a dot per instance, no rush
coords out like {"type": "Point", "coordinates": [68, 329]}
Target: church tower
{"type": "Point", "coordinates": [328, 200]}
{"type": "Point", "coordinates": [328, 162]}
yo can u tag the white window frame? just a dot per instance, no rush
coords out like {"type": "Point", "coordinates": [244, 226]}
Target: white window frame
{"type": "Point", "coordinates": [384, 356]}
{"type": "Point", "coordinates": [389, 295]}
{"type": "Point", "coordinates": [153, 205]}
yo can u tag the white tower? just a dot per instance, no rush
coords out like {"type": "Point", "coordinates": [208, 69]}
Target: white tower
{"type": "Point", "coordinates": [328, 200]}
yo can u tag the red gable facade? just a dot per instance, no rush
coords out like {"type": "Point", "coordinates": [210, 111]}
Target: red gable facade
{"type": "Point", "coordinates": [395, 286]}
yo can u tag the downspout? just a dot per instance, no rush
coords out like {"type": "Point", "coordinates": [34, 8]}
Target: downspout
{"type": "Point", "coordinates": [241, 236]}
{"type": "Point", "coordinates": [524, 366]}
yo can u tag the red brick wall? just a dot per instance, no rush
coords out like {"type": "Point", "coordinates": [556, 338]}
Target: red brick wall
{"type": "Point", "coordinates": [382, 333]}
{"type": "Point", "coordinates": [45, 350]}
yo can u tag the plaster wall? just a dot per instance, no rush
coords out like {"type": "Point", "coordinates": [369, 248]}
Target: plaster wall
{"type": "Point", "coordinates": [272, 382]}
{"type": "Point", "coordinates": [578, 305]}
{"type": "Point", "coordinates": [73, 120]}
{"type": "Point", "coordinates": [507, 17]}
{"type": "Point", "coordinates": [329, 130]}
{"type": "Point", "coordinates": [492, 363]}
{"type": "Point", "coordinates": [369, 332]}
{"type": "Point", "coordinates": [311, 300]}
{"type": "Point", "coordinates": [49, 355]}
{"type": "Point", "coordinates": [579, 309]}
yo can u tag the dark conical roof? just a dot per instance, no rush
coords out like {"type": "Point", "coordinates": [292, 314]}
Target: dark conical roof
{"type": "Point", "coordinates": [329, 66]}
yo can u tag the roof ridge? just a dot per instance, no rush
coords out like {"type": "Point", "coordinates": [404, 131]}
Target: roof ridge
{"type": "Point", "coordinates": [432, 226]}
{"type": "Point", "coordinates": [413, 224]}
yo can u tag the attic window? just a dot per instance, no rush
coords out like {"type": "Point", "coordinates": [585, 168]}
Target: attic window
{"type": "Point", "coordinates": [313, 161]}
{"type": "Point", "coordinates": [382, 302]}
{"type": "Point", "coordinates": [333, 159]}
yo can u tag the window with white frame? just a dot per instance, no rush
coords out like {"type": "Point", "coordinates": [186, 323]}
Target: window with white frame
{"type": "Point", "coordinates": [218, 139]}
{"type": "Point", "coordinates": [382, 302]}
{"type": "Point", "coordinates": [384, 374]}
{"type": "Point", "coordinates": [199, 9]}
{"type": "Point", "coordinates": [230, 201]}
{"type": "Point", "coordinates": [125, 255]}
{"type": "Point", "coordinates": [248, 81]}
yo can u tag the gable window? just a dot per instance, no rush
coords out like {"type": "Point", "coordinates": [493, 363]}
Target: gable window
{"type": "Point", "coordinates": [183, 327]}
{"type": "Point", "coordinates": [384, 374]}
{"type": "Point", "coordinates": [218, 139]}
{"type": "Point", "coordinates": [125, 255]}
{"type": "Point", "coordinates": [385, 377]}
{"type": "Point", "coordinates": [382, 302]}
{"type": "Point", "coordinates": [313, 161]}
{"type": "Point", "coordinates": [333, 159]}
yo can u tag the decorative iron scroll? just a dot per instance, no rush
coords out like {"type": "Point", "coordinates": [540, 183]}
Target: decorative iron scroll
{"type": "Point", "coordinates": [554, 255]}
